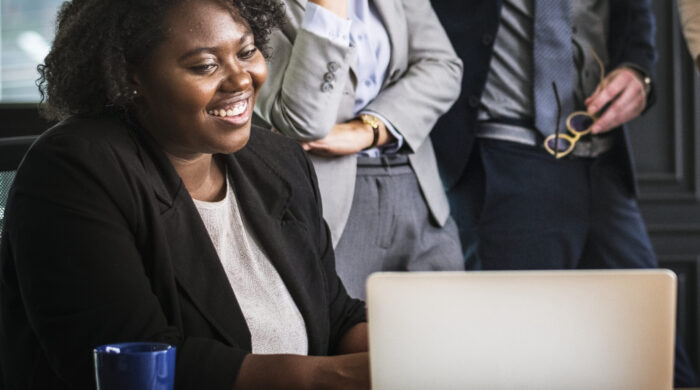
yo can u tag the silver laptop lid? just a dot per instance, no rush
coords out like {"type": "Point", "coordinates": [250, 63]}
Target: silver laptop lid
{"type": "Point", "coordinates": [608, 329]}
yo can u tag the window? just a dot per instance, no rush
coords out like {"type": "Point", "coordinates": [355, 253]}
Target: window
{"type": "Point", "coordinates": [26, 32]}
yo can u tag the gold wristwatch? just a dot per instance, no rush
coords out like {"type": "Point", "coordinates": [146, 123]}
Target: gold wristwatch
{"type": "Point", "coordinates": [373, 122]}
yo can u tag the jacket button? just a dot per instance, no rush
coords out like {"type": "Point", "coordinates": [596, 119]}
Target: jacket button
{"type": "Point", "coordinates": [486, 39]}
{"type": "Point", "coordinates": [329, 77]}
{"type": "Point", "coordinates": [333, 66]}
{"type": "Point", "coordinates": [326, 87]}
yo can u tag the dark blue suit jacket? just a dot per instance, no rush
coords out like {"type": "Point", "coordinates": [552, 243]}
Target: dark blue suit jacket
{"type": "Point", "coordinates": [472, 26]}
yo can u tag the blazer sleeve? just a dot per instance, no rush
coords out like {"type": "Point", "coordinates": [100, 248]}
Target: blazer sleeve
{"type": "Point", "coordinates": [690, 18]}
{"type": "Point", "coordinates": [296, 98]}
{"type": "Point", "coordinates": [632, 31]}
{"type": "Point", "coordinates": [79, 271]}
{"type": "Point", "coordinates": [431, 82]}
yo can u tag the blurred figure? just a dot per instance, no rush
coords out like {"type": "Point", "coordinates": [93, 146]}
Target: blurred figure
{"type": "Point", "coordinates": [690, 18]}
{"type": "Point", "coordinates": [535, 153]}
{"type": "Point", "coordinates": [360, 83]}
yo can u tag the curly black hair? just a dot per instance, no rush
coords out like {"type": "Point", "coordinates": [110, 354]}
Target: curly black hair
{"type": "Point", "coordinates": [85, 73]}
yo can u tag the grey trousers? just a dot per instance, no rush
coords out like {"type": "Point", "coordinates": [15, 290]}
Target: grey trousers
{"type": "Point", "coordinates": [390, 228]}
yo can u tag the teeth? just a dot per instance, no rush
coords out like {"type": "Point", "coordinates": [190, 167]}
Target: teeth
{"type": "Point", "coordinates": [237, 109]}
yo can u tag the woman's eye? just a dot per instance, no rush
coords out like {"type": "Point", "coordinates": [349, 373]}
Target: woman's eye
{"type": "Point", "coordinates": [248, 53]}
{"type": "Point", "coordinates": [204, 68]}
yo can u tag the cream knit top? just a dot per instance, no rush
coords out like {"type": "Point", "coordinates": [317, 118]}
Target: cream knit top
{"type": "Point", "coordinates": [275, 323]}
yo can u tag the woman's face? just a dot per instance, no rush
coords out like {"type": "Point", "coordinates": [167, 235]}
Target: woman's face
{"type": "Point", "coordinates": [197, 90]}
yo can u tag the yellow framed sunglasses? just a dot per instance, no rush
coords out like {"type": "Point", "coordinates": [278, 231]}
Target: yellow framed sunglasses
{"type": "Point", "coordinates": [578, 123]}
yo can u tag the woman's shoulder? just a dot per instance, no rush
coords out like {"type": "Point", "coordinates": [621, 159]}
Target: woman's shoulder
{"type": "Point", "coordinates": [78, 147]}
{"type": "Point", "coordinates": [274, 147]}
{"type": "Point", "coordinates": [80, 163]}
{"type": "Point", "coordinates": [270, 152]}
{"type": "Point", "coordinates": [86, 138]}
{"type": "Point", "coordinates": [94, 130]}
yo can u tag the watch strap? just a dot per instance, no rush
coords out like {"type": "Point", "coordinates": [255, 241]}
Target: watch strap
{"type": "Point", "coordinates": [373, 122]}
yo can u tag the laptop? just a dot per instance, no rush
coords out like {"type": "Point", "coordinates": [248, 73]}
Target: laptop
{"type": "Point", "coordinates": [578, 329]}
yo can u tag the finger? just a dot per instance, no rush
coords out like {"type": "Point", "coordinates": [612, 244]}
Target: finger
{"type": "Point", "coordinates": [594, 95]}
{"type": "Point", "coordinates": [626, 107]}
{"type": "Point", "coordinates": [315, 145]}
{"type": "Point", "coordinates": [322, 152]}
{"type": "Point", "coordinates": [616, 85]}
{"type": "Point", "coordinates": [322, 148]}
{"type": "Point", "coordinates": [599, 89]}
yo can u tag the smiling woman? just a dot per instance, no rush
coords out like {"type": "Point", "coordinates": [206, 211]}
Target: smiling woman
{"type": "Point", "coordinates": [155, 211]}
{"type": "Point", "coordinates": [204, 76]}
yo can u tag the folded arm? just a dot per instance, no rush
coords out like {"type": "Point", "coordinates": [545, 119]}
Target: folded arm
{"type": "Point", "coordinates": [307, 74]}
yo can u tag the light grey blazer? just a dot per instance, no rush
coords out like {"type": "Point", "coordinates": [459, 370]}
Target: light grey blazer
{"type": "Point", "coordinates": [690, 18]}
{"type": "Point", "coordinates": [311, 86]}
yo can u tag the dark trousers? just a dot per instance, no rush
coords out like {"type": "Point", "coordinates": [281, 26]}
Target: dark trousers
{"type": "Point", "coordinates": [517, 207]}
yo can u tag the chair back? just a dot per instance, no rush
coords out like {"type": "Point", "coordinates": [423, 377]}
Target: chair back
{"type": "Point", "coordinates": [12, 150]}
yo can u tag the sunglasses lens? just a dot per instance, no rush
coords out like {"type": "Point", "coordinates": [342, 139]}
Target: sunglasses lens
{"type": "Point", "coordinates": [560, 146]}
{"type": "Point", "coordinates": [580, 122]}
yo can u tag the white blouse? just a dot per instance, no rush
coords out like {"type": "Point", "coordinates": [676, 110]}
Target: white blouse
{"type": "Point", "coordinates": [275, 323]}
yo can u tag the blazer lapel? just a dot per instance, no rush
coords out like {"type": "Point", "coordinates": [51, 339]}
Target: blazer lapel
{"type": "Point", "coordinates": [264, 198]}
{"type": "Point", "coordinates": [199, 271]}
{"type": "Point", "coordinates": [196, 265]}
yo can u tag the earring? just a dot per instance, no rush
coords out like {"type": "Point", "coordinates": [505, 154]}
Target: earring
{"type": "Point", "coordinates": [135, 92]}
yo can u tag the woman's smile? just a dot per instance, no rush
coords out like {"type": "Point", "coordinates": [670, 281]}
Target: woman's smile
{"type": "Point", "coordinates": [236, 111]}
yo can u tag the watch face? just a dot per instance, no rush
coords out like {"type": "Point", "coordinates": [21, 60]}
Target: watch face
{"type": "Point", "coordinates": [370, 120]}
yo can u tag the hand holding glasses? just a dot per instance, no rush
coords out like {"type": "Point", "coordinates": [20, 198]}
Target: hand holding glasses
{"type": "Point", "coordinates": [578, 123]}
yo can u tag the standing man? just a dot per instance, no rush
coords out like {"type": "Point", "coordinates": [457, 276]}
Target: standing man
{"type": "Point", "coordinates": [535, 155]}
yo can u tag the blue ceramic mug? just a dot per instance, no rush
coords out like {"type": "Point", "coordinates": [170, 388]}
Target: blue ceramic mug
{"type": "Point", "coordinates": [135, 366]}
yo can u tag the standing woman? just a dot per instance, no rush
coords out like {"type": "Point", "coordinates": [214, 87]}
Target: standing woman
{"type": "Point", "coordinates": [360, 83]}
{"type": "Point", "coordinates": [154, 211]}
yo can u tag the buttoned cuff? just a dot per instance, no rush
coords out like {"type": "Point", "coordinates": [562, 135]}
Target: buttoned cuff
{"type": "Point", "coordinates": [324, 23]}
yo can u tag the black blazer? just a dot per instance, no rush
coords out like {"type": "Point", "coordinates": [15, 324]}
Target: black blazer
{"type": "Point", "coordinates": [102, 244]}
{"type": "Point", "coordinates": [472, 26]}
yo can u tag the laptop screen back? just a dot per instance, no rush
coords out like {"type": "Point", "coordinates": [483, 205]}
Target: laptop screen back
{"type": "Point", "coordinates": [608, 329]}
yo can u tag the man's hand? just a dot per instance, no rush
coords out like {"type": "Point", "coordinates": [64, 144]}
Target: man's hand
{"type": "Point", "coordinates": [345, 138]}
{"type": "Point", "coordinates": [624, 88]}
